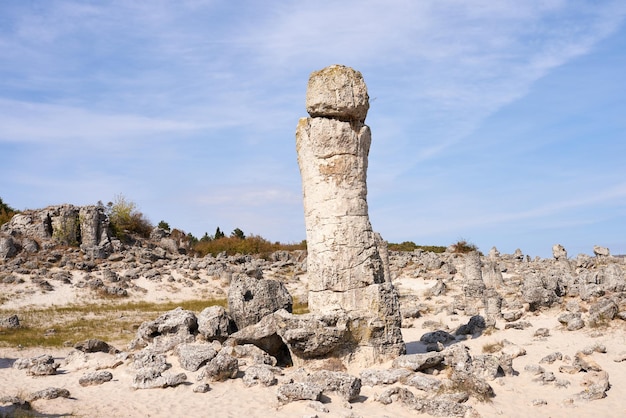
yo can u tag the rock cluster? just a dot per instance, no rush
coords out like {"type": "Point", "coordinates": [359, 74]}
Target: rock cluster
{"type": "Point", "coordinates": [84, 226]}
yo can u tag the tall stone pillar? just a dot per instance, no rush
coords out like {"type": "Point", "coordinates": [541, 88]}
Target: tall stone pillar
{"type": "Point", "coordinates": [346, 258]}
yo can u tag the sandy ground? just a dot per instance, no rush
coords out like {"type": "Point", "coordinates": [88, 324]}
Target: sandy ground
{"type": "Point", "coordinates": [516, 396]}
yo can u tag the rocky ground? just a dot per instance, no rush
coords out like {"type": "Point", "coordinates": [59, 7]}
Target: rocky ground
{"type": "Point", "coordinates": [498, 335]}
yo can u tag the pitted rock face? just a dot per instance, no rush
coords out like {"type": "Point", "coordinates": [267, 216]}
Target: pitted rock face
{"type": "Point", "coordinates": [337, 92]}
{"type": "Point", "coordinates": [347, 263]}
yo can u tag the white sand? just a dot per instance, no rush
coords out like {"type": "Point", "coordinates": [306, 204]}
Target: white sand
{"type": "Point", "coordinates": [514, 394]}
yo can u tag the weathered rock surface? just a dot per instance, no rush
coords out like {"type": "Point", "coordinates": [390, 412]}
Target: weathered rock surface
{"type": "Point", "coordinates": [221, 367]}
{"type": "Point", "coordinates": [95, 378]}
{"type": "Point", "coordinates": [337, 92]}
{"type": "Point", "coordinates": [43, 365]}
{"type": "Point", "coordinates": [290, 392]}
{"type": "Point", "coordinates": [48, 393]}
{"type": "Point", "coordinates": [250, 299]}
{"type": "Point", "coordinates": [167, 331]}
{"type": "Point", "coordinates": [214, 323]}
{"type": "Point", "coordinates": [347, 264]}
{"type": "Point", "coordinates": [192, 356]}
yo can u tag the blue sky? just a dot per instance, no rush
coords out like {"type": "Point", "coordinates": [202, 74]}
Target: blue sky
{"type": "Point", "coordinates": [502, 123]}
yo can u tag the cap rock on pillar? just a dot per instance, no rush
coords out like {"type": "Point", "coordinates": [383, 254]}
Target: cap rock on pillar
{"type": "Point", "coordinates": [337, 92]}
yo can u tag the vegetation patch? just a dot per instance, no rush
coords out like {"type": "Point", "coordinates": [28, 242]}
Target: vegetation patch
{"type": "Point", "coordinates": [116, 323]}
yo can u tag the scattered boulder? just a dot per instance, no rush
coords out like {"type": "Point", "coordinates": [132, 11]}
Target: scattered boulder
{"type": "Point", "coordinates": [296, 391]}
{"type": "Point", "coordinates": [250, 299]}
{"type": "Point", "coordinates": [596, 385]}
{"type": "Point", "coordinates": [95, 378]}
{"type": "Point", "coordinates": [345, 385]}
{"type": "Point", "coordinates": [260, 374]}
{"type": "Point", "coordinates": [601, 251]}
{"type": "Point", "coordinates": [375, 377]}
{"type": "Point", "coordinates": [419, 361]}
{"type": "Point", "coordinates": [220, 368]}
{"type": "Point", "coordinates": [48, 393]}
{"type": "Point", "coordinates": [167, 331]}
{"type": "Point", "coordinates": [94, 345]}
{"type": "Point", "coordinates": [10, 322]}
{"type": "Point", "coordinates": [559, 252]}
{"type": "Point", "coordinates": [192, 356]}
{"type": "Point", "coordinates": [149, 378]}
{"type": "Point", "coordinates": [214, 323]}
{"type": "Point", "coordinates": [43, 365]}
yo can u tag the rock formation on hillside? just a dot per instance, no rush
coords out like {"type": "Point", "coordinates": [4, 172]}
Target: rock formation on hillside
{"type": "Point", "coordinates": [347, 265]}
{"type": "Point", "coordinates": [84, 226]}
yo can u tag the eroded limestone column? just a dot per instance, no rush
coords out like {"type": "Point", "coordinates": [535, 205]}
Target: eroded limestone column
{"type": "Point", "coordinates": [333, 147]}
{"type": "Point", "coordinates": [346, 258]}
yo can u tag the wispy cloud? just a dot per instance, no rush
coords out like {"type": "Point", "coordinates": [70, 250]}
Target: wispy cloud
{"type": "Point", "coordinates": [217, 87]}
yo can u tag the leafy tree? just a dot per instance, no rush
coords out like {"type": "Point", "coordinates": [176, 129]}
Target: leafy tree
{"type": "Point", "coordinates": [192, 240]}
{"type": "Point", "coordinates": [238, 233]}
{"type": "Point", "coordinates": [206, 237]}
{"type": "Point", "coordinates": [124, 218]}
{"type": "Point", "coordinates": [6, 212]}
{"type": "Point", "coordinates": [164, 225]}
{"type": "Point", "coordinates": [218, 234]}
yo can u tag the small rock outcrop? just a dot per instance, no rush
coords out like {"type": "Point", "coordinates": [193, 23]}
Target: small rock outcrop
{"type": "Point", "coordinates": [84, 226]}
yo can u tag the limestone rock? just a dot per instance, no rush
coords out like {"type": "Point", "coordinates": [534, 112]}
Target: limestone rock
{"type": "Point", "coordinates": [345, 385]}
{"type": "Point", "coordinates": [290, 392]}
{"type": "Point", "coordinates": [402, 395]}
{"type": "Point", "coordinates": [250, 299]}
{"type": "Point", "coordinates": [48, 393]}
{"type": "Point", "coordinates": [601, 251]}
{"type": "Point", "coordinates": [473, 286]}
{"type": "Point", "coordinates": [596, 385]}
{"type": "Point", "coordinates": [214, 323]}
{"type": "Point", "coordinates": [192, 356]}
{"type": "Point", "coordinates": [43, 365]}
{"type": "Point", "coordinates": [375, 377]}
{"type": "Point", "coordinates": [424, 382]}
{"type": "Point", "coordinates": [95, 378]}
{"type": "Point", "coordinates": [558, 252]}
{"type": "Point", "coordinates": [12, 321]}
{"type": "Point", "coordinates": [260, 374]}
{"type": "Point", "coordinates": [94, 345]}
{"type": "Point", "coordinates": [347, 263]}
{"type": "Point", "coordinates": [419, 361]}
{"type": "Point", "coordinates": [222, 367]}
{"type": "Point", "coordinates": [7, 247]}
{"type": "Point", "coordinates": [149, 378]}
{"type": "Point", "coordinates": [337, 92]}
{"type": "Point", "coordinates": [250, 354]}
{"type": "Point", "coordinates": [164, 333]}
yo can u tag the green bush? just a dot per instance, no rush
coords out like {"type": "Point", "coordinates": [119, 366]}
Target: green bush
{"type": "Point", "coordinates": [6, 212]}
{"type": "Point", "coordinates": [125, 219]}
{"type": "Point", "coordinates": [411, 246]}
{"type": "Point", "coordinates": [251, 245]}
{"type": "Point", "coordinates": [463, 247]}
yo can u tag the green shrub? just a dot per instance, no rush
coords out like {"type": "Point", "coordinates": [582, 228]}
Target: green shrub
{"type": "Point", "coordinates": [411, 246]}
{"type": "Point", "coordinates": [6, 212]}
{"type": "Point", "coordinates": [125, 219]}
{"type": "Point", "coordinates": [251, 245]}
{"type": "Point", "coordinates": [463, 247]}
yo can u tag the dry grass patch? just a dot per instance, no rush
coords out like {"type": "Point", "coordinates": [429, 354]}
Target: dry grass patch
{"type": "Point", "coordinates": [112, 322]}
{"type": "Point", "coordinates": [493, 347]}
